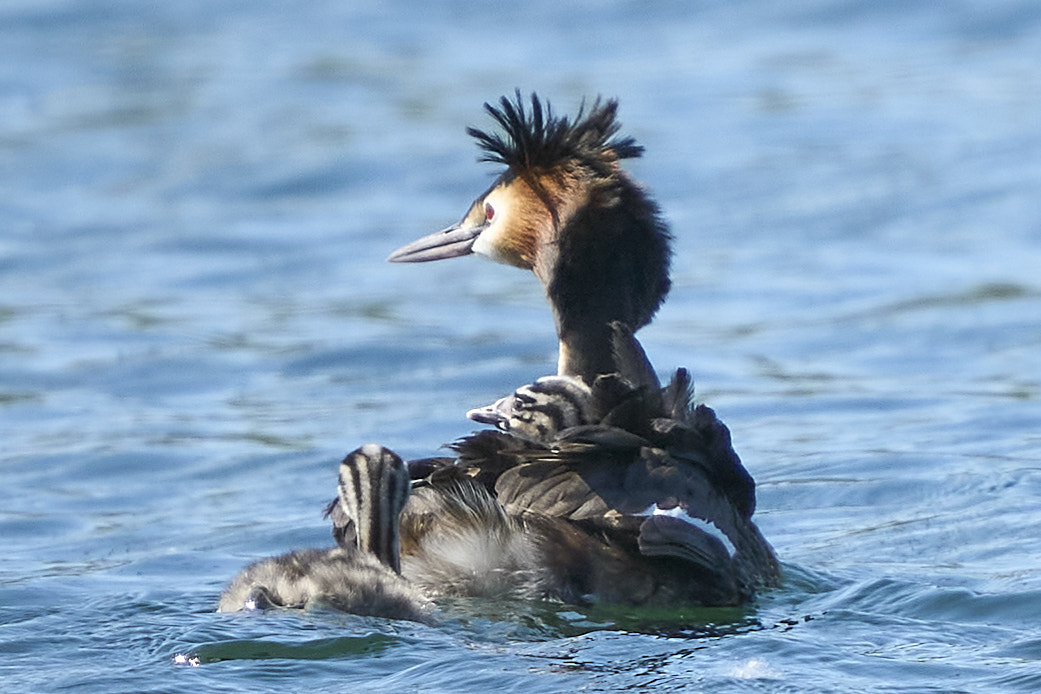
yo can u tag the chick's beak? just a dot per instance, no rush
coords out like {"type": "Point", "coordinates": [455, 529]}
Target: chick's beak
{"type": "Point", "coordinates": [455, 241]}
{"type": "Point", "coordinates": [497, 414]}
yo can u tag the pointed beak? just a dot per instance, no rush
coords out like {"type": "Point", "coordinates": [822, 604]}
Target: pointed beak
{"type": "Point", "coordinates": [496, 414]}
{"type": "Point", "coordinates": [455, 241]}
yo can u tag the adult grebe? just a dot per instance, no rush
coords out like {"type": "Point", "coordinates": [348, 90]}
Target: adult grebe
{"type": "Point", "coordinates": [362, 574]}
{"type": "Point", "coordinates": [634, 495]}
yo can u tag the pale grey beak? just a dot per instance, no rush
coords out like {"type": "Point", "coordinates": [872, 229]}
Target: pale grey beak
{"type": "Point", "coordinates": [497, 414]}
{"type": "Point", "coordinates": [455, 241]}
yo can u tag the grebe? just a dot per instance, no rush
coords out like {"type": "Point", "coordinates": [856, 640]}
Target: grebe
{"type": "Point", "coordinates": [628, 493]}
{"type": "Point", "coordinates": [361, 575]}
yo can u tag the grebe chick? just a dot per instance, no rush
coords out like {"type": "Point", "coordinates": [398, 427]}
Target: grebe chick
{"type": "Point", "coordinates": [360, 576]}
{"type": "Point", "coordinates": [541, 410]}
{"type": "Point", "coordinates": [566, 210]}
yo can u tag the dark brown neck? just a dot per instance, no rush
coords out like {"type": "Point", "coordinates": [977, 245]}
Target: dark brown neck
{"type": "Point", "coordinates": [609, 263]}
{"type": "Point", "coordinates": [586, 353]}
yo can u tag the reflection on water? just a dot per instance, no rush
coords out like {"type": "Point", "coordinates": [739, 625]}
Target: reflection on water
{"type": "Point", "coordinates": [196, 322]}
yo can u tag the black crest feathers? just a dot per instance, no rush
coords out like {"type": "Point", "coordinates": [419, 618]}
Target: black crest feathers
{"type": "Point", "coordinates": [536, 138]}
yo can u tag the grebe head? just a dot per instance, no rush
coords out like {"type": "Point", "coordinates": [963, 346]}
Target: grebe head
{"type": "Point", "coordinates": [566, 210]}
{"type": "Point", "coordinates": [539, 411]}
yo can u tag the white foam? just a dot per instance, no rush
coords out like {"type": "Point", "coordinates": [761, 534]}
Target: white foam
{"type": "Point", "coordinates": [755, 669]}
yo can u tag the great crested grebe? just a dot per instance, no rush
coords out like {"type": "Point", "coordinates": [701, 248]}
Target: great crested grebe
{"type": "Point", "coordinates": [599, 484]}
{"type": "Point", "coordinates": [361, 575]}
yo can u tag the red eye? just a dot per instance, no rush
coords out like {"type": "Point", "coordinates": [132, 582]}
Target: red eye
{"type": "Point", "coordinates": [489, 212]}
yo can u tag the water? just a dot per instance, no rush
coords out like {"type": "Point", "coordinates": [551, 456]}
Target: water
{"type": "Point", "coordinates": [196, 323]}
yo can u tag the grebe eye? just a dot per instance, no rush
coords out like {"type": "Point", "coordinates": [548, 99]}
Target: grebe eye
{"type": "Point", "coordinates": [489, 212]}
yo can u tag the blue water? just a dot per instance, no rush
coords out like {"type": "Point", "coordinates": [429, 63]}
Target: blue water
{"type": "Point", "coordinates": [196, 323]}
